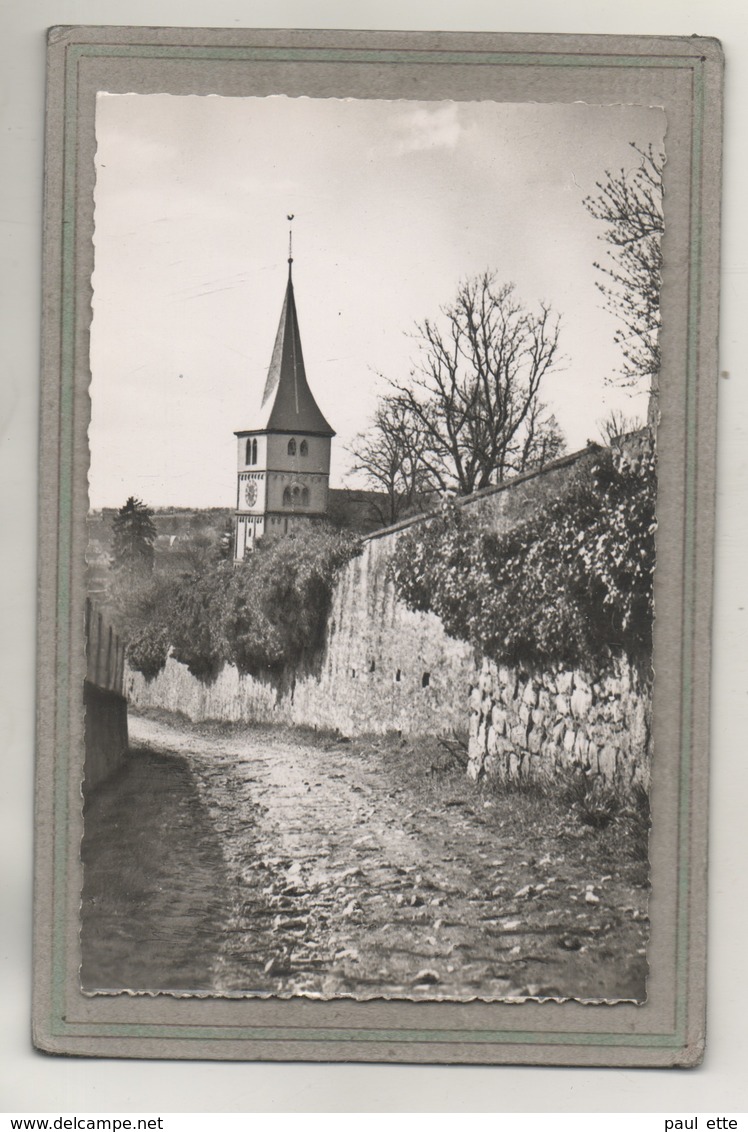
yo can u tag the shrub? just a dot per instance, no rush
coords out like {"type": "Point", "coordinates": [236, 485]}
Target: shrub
{"type": "Point", "coordinates": [276, 605]}
{"type": "Point", "coordinates": [570, 585]}
{"type": "Point", "coordinates": [264, 615]}
{"type": "Point", "coordinates": [148, 650]}
{"type": "Point", "coordinates": [141, 611]}
{"type": "Point", "coordinates": [194, 625]}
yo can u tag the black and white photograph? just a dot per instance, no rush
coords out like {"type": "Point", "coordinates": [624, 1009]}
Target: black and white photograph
{"type": "Point", "coordinates": [371, 548]}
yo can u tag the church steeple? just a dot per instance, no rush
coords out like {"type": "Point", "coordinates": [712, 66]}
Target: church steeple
{"type": "Point", "coordinates": [288, 404]}
{"type": "Point", "coordinates": [284, 455]}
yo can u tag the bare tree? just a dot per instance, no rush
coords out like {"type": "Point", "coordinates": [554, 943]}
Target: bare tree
{"type": "Point", "coordinates": [388, 456]}
{"type": "Point", "coordinates": [630, 204]}
{"type": "Point", "coordinates": [474, 392]}
{"type": "Point", "coordinates": [543, 440]}
{"type": "Point", "coordinates": [616, 425]}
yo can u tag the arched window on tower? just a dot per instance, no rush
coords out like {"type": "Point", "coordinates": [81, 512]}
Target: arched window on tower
{"type": "Point", "coordinates": [292, 447]}
{"type": "Point", "coordinates": [305, 497]}
{"type": "Point", "coordinates": [254, 451]}
{"type": "Point", "coordinates": [303, 448]}
{"type": "Point", "coordinates": [286, 496]}
{"type": "Point", "coordinates": [248, 454]}
{"type": "Point", "coordinates": [296, 496]}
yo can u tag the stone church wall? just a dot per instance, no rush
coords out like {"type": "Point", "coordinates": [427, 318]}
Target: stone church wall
{"type": "Point", "coordinates": [384, 668]}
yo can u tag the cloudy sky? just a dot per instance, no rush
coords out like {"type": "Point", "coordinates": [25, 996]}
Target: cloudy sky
{"type": "Point", "coordinates": [395, 204]}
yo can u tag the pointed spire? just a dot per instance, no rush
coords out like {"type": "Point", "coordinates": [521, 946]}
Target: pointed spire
{"type": "Point", "coordinates": [288, 404]}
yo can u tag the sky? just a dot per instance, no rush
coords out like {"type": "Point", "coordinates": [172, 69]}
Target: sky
{"type": "Point", "coordinates": [395, 204]}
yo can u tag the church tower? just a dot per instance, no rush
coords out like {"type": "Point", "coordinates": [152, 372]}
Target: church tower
{"type": "Point", "coordinates": [284, 456]}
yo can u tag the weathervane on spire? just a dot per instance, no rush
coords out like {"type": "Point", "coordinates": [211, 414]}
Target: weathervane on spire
{"type": "Point", "coordinates": [289, 218]}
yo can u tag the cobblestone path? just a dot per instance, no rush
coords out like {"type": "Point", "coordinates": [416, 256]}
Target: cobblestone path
{"type": "Point", "coordinates": [310, 868]}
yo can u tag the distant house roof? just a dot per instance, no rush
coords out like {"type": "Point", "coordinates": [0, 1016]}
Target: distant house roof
{"type": "Point", "coordinates": [288, 404]}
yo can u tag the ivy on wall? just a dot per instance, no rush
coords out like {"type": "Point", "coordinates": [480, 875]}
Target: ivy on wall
{"type": "Point", "coordinates": [571, 585]}
{"type": "Point", "coordinates": [263, 615]}
{"type": "Point", "coordinates": [276, 605]}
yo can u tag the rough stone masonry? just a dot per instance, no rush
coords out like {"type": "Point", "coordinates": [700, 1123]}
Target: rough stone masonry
{"type": "Point", "coordinates": [526, 726]}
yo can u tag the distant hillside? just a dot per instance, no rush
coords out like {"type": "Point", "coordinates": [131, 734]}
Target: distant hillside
{"type": "Point", "coordinates": [182, 529]}
{"type": "Point", "coordinates": [179, 528]}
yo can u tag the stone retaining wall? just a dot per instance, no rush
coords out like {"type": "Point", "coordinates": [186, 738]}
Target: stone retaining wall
{"type": "Point", "coordinates": [382, 668]}
{"type": "Point", "coordinates": [525, 726]}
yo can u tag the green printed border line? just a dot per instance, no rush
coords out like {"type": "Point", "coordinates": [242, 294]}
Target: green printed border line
{"type": "Point", "coordinates": [358, 1034]}
{"type": "Point", "coordinates": [368, 55]}
{"type": "Point", "coordinates": [689, 550]}
{"type": "Point", "coordinates": [59, 1026]}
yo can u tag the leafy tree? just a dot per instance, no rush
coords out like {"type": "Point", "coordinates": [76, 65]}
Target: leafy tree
{"type": "Point", "coordinates": [630, 204]}
{"type": "Point", "coordinates": [225, 549]}
{"type": "Point", "coordinates": [195, 554]}
{"type": "Point", "coordinates": [141, 610]}
{"type": "Point", "coordinates": [134, 536]}
{"type": "Point", "coordinates": [473, 398]}
{"type": "Point", "coordinates": [148, 649]}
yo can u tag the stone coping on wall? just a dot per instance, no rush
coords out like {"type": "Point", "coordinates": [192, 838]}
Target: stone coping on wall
{"type": "Point", "coordinates": [487, 492]}
{"type": "Point", "coordinates": [633, 443]}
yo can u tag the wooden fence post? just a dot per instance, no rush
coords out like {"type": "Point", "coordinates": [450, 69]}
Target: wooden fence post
{"type": "Point", "coordinates": [99, 630]}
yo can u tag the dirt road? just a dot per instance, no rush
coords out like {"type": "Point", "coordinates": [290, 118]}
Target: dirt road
{"type": "Point", "coordinates": [279, 864]}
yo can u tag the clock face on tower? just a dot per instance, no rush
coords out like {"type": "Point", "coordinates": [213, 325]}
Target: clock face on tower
{"type": "Point", "coordinates": [250, 493]}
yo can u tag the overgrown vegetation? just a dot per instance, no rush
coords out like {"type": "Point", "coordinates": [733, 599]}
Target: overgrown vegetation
{"type": "Point", "coordinates": [263, 615]}
{"type": "Point", "coordinates": [148, 649]}
{"type": "Point", "coordinates": [571, 585]}
{"type": "Point", "coordinates": [275, 606]}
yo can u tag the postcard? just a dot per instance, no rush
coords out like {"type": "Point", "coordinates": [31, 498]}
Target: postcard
{"type": "Point", "coordinates": [379, 382]}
